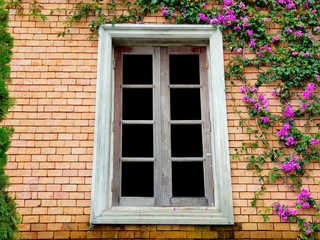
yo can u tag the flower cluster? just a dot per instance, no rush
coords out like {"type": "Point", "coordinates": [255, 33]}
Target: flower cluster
{"type": "Point", "coordinates": [288, 112]}
{"type": "Point", "coordinates": [165, 11]}
{"type": "Point", "coordinates": [283, 132]}
{"type": "Point", "coordinates": [314, 141]}
{"type": "Point", "coordinates": [306, 93]}
{"type": "Point", "coordinates": [303, 199]}
{"type": "Point", "coordinates": [293, 164]}
{"type": "Point", "coordinates": [284, 212]}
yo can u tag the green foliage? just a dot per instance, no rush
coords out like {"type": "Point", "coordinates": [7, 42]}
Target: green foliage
{"type": "Point", "coordinates": [35, 11]}
{"type": "Point", "coordinates": [289, 58]}
{"type": "Point", "coordinates": [8, 214]}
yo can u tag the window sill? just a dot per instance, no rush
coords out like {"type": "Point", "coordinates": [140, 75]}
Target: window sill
{"type": "Point", "coordinates": [163, 215]}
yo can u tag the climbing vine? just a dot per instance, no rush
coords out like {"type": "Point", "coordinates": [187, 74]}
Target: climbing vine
{"type": "Point", "coordinates": [280, 38]}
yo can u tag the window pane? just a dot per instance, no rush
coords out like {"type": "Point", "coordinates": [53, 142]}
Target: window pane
{"type": "Point", "coordinates": [185, 104]}
{"type": "Point", "coordinates": [187, 179]}
{"type": "Point", "coordinates": [137, 69]}
{"type": "Point", "coordinates": [184, 69]}
{"type": "Point", "coordinates": [186, 140]}
{"type": "Point", "coordinates": [137, 104]}
{"type": "Point", "coordinates": [137, 140]}
{"type": "Point", "coordinates": [137, 179]}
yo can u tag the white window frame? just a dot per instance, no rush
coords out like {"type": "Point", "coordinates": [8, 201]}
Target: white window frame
{"type": "Point", "coordinates": [102, 211]}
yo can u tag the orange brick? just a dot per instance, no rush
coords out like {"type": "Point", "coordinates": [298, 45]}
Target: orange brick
{"type": "Point", "coordinates": [258, 234]}
{"type": "Point", "coordinates": [110, 234]}
{"type": "Point", "coordinates": [94, 234]}
{"type": "Point", "coordinates": [175, 234]}
{"type": "Point", "coordinates": [141, 234]}
{"type": "Point", "coordinates": [157, 234]}
{"type": "Point", "coordinates": [211, 234]}
{"type": "Point", "coordinates": [126, 234]}
{"type": "Point", "coordinates": [45, 235]}
{"type": "Point", "coordinates": [61, 235]}
{"type": "Point", "coordinates": [249, 226]}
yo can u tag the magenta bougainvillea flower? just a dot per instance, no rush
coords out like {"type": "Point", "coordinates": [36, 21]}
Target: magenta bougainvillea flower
{"type": "Point", "coordinates": [314, 141]}
{"type": "Point", "coordinates": [290, 141]}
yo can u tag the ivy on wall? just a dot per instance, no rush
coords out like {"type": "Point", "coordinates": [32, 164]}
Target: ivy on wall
{"type": "Point", "coordinates": [287, 60]}
{"type": "Point", "coordinates": [8, 214]}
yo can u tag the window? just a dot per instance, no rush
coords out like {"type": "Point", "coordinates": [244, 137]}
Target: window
{"type": "Point", "coordinates": [161, 146]}
{"type": "Point", "coordinates": [162, 149]}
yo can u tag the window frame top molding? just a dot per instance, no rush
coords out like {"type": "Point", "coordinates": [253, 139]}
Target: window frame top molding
{"type": "Point", "coordinates": [102, 211]}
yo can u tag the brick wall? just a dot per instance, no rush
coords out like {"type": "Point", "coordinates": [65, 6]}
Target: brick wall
{"type": "Point", "coordinates": [50, 161]}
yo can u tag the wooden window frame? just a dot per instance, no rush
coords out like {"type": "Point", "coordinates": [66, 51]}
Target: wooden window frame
{"type": "Point", "coordinates": [161, 123]}
{"type": "Point", "coordinates": [103, 210]}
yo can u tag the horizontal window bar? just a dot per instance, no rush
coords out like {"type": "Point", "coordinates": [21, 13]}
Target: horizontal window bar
{"type": "Point", "coordinates": [137, 201]}
{"type": "Point", "coordinates": [184, 86]}
{"type": "Point", "coordinates": [136, 86]}
{"type": "Point", "coordinates": [187, 159]}
{"type": "Point", "coordinates": [137, 121]}
{"type": "Point", "coordinates": [135, 159]}
{"type": "Point", "coordinates": [186, 122]}
{"type": "Point", "coordinates": [189, 201]}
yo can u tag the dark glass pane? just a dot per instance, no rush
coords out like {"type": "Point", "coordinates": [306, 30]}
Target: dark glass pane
{"type": "Point", "coordinates": [137, 179]}
{"type": "Point", "coordinates": [186, 140]}
{"type": "Point", "coordinates": [185, 104]}
{"type": "Point", "coordinates": [137, 104]}
{"type": "Point", "coordinates": [184, 69]}
{"type": "Point", "coordinates": [137, 69]}
{"type": "Point", "coordinates": [137, 140]}
{"type": "Point", "coordinates": [187, 179]}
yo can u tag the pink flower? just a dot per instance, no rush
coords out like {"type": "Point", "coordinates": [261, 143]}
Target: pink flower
{"type": "Point", "coordinates": [202, 17]}
{"type": "Point", "coordinates": [292, 164]}
{"type": "Point", "coordinates": [290, 5]}
{"type": "Point", "coordinates": [311, 86]}
{"type": "Point", "coordinates": [214, 21]}
{"type": "Point", "coordinates": [252, 42]}
{"type": "Point", "coordinates": [276, 92]}
{"type": "Point", "coordinates": [312, 102]}
{"type": "Point", "coordinates": [299, 33]}
{"type": "Point", "coordinates": [303, 106]}
{"type": "Point", "coordinates": [265, 19]}
{"type": "Point", "coordinates": [242, 6]}
{"type": "Point", "coordinates": [300, 25]}
{"type": "Point", "coordinates": [228, 2]}
{"type": "Point", "coordinates": [290, 141]}
{"type": "Point", "coordinates": [250, 32]}
{"type": "Point", "coordinates": [288, 111]}
{"type": "Point", "coordinates": [306, 94]}
{"type": "Point", "coordinates": [307, 54]}
{"type": "Point", "coordinates": [139, 22]}
{"type": "Point", "coordinates": [288, 30]}
{"type": "Point", "coordinates": [260, 54]}
{"type": "Point", "coordinates": [308, 231]}
{"type": "Point", "coordinates": [314, 141]}
{"type": "Point", "coordinates": [245, 24]}
{"type": "Point", "coordinates": [295, 53]}
{"type": "Point", "coordinates": [239, 50]}
{"type": "Point", "coordinates": [173, 15]}
{"type": "Point", "coordinates": [318, 77]}
{"type": "Point", "coordinates": [204, 5]}
{"type": "Point", "coordinates": [264, 119]}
